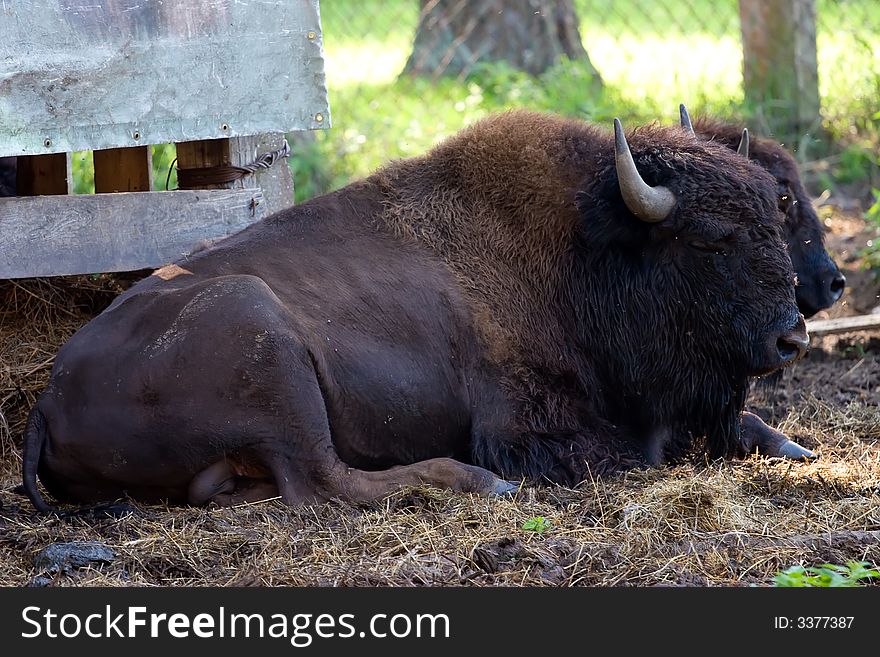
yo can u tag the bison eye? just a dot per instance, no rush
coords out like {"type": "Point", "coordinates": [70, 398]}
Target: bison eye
{"type": "Point", "coordinates": [709, 247]}
{"type": "Point", "coordinates": [785, 202]}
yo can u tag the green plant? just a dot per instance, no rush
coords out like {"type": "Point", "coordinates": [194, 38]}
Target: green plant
{"type": "Point", "coordinates": [871, 252]}
{"type": "Point", "coordinates": [826, 575]}
{"type": "Point", "coordinates": [538, 524]}
{"type": "Point", "coordinates": [856, 349]}
{"type": "Point", "coordinates": [873, 213]}
{"type": "Point", "coordinates": [855, 164]}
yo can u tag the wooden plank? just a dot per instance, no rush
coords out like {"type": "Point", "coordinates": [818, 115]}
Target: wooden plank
{"type": "Point", "coordinates": [43, 174]}
{"type": "Point", "coordinates": [82, 234]}
{"type": "Point", "coordinates": [843, 324]}
{"type": "Point", "coordinates": [123, 169]}
{"type": "Point", "coordinates": [780, 66]}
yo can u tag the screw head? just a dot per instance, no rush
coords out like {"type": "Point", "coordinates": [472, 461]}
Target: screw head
{"type": "Point", "coordinates": [312, 35]}
{"type": "Point", "coordinates": [319, 117]}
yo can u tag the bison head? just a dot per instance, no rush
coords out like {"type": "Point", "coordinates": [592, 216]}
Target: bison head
{"type": "Point", "coordinates": [689, 287]}
{"type": "Point", "coordinates": [820, 283]}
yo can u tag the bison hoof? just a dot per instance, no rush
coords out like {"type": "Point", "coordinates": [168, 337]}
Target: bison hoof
{"type": "Point", "coordinates": [791, 450]}
{"type": "Point", "coordinates": [503, 488]}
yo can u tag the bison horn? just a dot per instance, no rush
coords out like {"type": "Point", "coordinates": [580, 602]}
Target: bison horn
{"type": "Point", "coordinates": [650, 204]}
{"type": "Point", "coordinates": [686, 120]}
{"type": "Point", "coordinates": [743, 148]}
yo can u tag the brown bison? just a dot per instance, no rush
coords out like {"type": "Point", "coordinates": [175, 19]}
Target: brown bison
{"type": "Point", "coordinates": [530, 300]}
{"type": "Point", "coordinates": [819, 282]}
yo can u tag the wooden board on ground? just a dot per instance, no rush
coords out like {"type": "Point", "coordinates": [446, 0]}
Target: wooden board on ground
{"type": "Point", "coordinates": [843, 324]}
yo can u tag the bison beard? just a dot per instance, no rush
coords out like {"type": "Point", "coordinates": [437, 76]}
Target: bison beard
{"type": "Point", "coordinates": [495, 307]}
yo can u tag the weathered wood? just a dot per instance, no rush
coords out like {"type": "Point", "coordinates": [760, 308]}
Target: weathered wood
{"type": "Point", "coordinates": [780, 70]}
{"type": "Point", "coordinates": [43, 174]}
{"type": "Point", "coordinates": [276, 181]}
{"type": "Point", "coordinates": [51, 236]}
{"type": "Point", "coordinates": [123, 169]}
{"type": "Point", "coordinates": [88, 75]}
{"type": "Point", "coordinates": [843, 324]}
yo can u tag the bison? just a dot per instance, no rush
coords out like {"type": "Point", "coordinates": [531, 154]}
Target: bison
{"type": "Point", "coordinates": [530, 300]}
{"type": "Point", "coordinates": [820, 283]}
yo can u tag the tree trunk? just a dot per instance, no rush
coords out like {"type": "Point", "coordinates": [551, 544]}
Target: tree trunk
{"type": "Point", "coordinates": [531, 35]}
{"type": "Point", "coordinates": [779, 65]}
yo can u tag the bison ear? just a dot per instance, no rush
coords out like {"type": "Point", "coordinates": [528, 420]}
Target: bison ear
{"type": "Point", "coordinates": [686, 120]}
{"type": "Point", "coordinates": [743, 148]}
{"type": "Point", "coordinates": [650, 204]}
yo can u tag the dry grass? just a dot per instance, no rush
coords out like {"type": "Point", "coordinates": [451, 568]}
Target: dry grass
{"type": "Point", "coordinates": [719, 524]}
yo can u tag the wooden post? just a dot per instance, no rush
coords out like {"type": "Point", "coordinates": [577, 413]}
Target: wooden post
{"type": "Point", "coordinates": [85, 233]}
{"type": "Point", "coordinates": [38, 175]}
{"type": "Point", "coordinates": [123, 169]}
{"type": "Point", "coordinates": [275, 182]}
{"type": "Point", "coordinates": [779, 65]}
{"type": "Point", "coordinates": [203, 154]}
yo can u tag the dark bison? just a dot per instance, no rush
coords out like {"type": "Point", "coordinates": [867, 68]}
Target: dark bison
{"type": "Point", "coordinates": [525, 302]}
{"type": "Point", "coordinates": [820, 283]}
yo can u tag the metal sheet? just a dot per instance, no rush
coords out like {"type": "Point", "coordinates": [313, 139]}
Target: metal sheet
{"type": "Point", "coordinates": [89, 74]}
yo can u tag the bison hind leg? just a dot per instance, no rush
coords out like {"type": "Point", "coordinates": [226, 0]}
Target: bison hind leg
{"type": "Point", "coordinates": [222, 483]}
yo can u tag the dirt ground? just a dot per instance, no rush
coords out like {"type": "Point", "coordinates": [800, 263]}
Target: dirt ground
{"type": "Point", "coordinates": [704, 524]}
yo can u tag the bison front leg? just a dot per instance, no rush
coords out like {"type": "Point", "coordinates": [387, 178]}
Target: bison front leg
{"type": "Point", "coordinates": [757, 436]}
{"type": "Point", "coordinates": [333, 479]}
{"type": "Point", "coordinates": [362, 485]}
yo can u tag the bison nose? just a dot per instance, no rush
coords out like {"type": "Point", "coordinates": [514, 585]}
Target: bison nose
{"type": "Point", "coordinates": [838, 283]}
{"type": "Point", "coordinates": [794, 343]}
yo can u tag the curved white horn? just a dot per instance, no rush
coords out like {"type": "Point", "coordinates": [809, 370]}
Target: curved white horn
{"type": "Point", "coordinates": [686, 119]}
{"type": "Point", "coordinates": [650, 204]}
{"type": "Point", "coordinates": [743, 148]}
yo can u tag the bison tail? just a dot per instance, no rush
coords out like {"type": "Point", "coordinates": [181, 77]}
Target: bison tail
{"type": "Point", "coordinates": [35, 433]}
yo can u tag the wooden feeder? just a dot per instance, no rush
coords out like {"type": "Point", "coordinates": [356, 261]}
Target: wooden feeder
{"type": "Point", "coordinates": [222, 79]}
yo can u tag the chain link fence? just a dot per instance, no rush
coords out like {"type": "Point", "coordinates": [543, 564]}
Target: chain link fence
{"type": "Point", "coordinates": [639, 60]}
